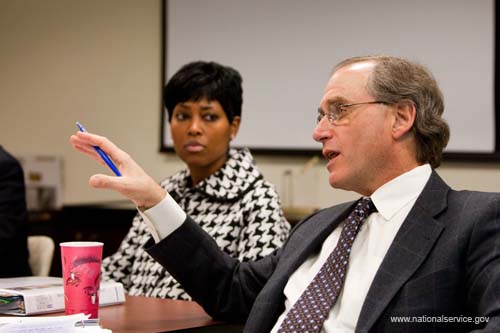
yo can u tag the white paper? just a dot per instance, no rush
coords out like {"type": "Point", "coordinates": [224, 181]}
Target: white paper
{"type": "Point", "coordinates": [56, 324]}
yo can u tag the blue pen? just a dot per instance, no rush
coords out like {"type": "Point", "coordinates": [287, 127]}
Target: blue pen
{"type": "Point", "coordinates": [103, 155]}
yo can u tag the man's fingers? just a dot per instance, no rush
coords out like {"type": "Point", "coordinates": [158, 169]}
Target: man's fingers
{"type": "Point", "coordinates": [106, 182]}
{"type": "Point", "coordinates": [107, 146]}
{"type": "Point", "coordinates": [82, 146]}
{"type": "Point", "coordinates": [88, 150]}
{"type": "Point", "coordinates": [121, 185]}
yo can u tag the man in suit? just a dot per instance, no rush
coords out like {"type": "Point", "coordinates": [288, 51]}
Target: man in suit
{"type": "Point", "coordinates": [412, 255]}
{"type": "Point", "coordinates": [13, 218]}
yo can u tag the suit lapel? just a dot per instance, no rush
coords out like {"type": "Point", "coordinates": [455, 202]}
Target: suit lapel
{"type": "Point", "coordinates": [308, 238]}
{"type": "Point", "coordinates": [410, 248]}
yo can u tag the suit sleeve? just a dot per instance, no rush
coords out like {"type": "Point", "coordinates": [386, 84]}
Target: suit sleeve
{"type": "Point", "coordinates": [483, 261]}
{"type": "Point", "coordinates": [13, 218]}
{"type": "Point", "coordinates": [225, 287]}
{"type": "Point", "coordinates": [12, 198]}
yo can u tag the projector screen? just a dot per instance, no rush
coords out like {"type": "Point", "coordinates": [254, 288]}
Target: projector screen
{"type": "Point", "coordinates": [285, 51]}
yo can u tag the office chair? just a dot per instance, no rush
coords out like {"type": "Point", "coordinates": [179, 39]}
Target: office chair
{"type": "Point", "coordinates": [41, 250]}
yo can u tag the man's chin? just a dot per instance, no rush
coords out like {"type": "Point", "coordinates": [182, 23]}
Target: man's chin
{"type": "Point", "coordinates": [339, 183]}
{"type": "Point", "coordinates": [334, 181]}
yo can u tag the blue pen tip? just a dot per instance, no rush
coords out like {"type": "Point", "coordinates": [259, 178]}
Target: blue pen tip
{"type": "Point", "coordinates": [80, 127]}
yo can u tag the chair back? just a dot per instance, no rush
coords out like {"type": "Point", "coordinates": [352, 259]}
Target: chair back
{"type": "Point", "coordinates": [41, 250]}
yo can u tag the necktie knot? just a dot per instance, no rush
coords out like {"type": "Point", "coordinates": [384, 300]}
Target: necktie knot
{"type": "Point", "coordinates": [364, 208]}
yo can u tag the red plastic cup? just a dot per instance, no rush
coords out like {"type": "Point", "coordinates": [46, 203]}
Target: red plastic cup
{"type": "Point", "coordinates": [81, 267]}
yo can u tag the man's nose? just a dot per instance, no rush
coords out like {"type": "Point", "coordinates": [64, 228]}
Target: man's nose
{"type": "Point", "coordinates": [322, 131]}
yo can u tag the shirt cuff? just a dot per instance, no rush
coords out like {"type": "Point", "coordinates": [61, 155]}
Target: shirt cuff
{"type": "Point", "coordinates": [164, 218]}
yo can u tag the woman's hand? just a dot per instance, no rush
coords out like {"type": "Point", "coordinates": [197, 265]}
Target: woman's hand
{"type": "Point", "coordinates": [135, 184]}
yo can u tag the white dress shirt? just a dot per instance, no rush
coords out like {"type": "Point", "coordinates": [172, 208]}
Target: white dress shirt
{"type": "Point", "coordinates": [393, 201]}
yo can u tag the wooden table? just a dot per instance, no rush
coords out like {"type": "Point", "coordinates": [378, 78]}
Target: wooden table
{"type": "Point", "coordinates": [144, 314]}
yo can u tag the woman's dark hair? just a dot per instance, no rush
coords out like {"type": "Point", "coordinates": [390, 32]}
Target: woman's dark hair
{"type": "Point", "coordinates": [210, 80]}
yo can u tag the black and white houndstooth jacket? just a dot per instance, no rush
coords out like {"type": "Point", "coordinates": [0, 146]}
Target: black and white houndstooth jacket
{"type": "Point", "coordinates": [235, 205]}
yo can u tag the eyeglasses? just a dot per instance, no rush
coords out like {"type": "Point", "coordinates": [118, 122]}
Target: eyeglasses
{"type": "Point", "coordinates": [337, 111]}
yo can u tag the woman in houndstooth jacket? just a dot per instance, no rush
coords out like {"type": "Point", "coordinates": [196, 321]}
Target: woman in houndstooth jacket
{"type": "Point", "coordinates": [221, 188]}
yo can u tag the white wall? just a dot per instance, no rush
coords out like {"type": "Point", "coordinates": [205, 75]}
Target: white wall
{"type": "Point", "coordinates": [99, 62]}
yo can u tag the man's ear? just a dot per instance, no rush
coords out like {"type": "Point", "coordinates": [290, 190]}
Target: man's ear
{"type": "Point", "coordinates": [235, 126]}
{"type": "Point", "coordinates": [404, 118]}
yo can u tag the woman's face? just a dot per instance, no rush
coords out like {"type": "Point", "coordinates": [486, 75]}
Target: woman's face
{"type": "Point", "coordinates": [201, 133]}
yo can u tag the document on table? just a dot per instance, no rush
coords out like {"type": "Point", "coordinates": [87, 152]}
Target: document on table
{"type": "Point", "coordinates": [30, 295]}
{"type": "Point", "coordinates": [56, 324]}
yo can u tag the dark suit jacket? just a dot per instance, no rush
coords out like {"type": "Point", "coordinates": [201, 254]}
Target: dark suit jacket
{"type": "Point", "coordinates": [13, 218]}
{"type": "Point", "coordinates": [444, 262]}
